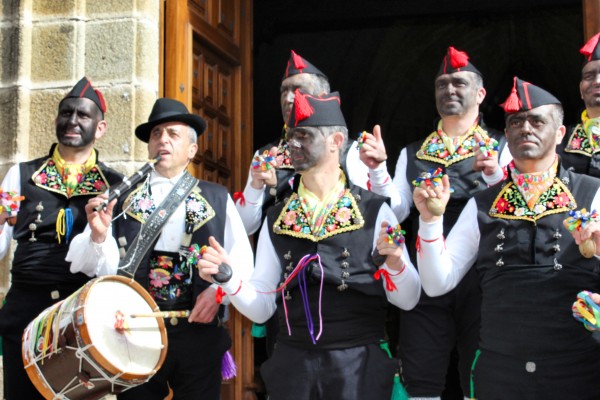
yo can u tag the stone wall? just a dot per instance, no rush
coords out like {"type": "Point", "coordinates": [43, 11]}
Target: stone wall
{"type": "Point", "coordinates": [48, 45]}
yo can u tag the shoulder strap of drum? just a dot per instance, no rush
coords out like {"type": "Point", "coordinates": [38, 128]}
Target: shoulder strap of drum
{"type": "Point", "coordinates": [151, 229]}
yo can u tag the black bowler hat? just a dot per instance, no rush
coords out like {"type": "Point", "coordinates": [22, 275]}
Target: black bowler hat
{"type": "Point", "coordinates": [591, 50]}
{"type": "Point", "coordinates": [524, 96]}
{"type": "Point", "coordinates": [456, 61]}
{"type": "Point", "coordinates": [311, 110]}
{"type": "Point", "coordinates": [84, 88]}
{"type": "Point", "coordinates": [169, 110]}
{"type": "Point", "coordinates": [298, 65]}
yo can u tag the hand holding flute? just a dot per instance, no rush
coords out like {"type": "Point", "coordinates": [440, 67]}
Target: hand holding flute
{"type": "Point", "coordinates": [99, 210]}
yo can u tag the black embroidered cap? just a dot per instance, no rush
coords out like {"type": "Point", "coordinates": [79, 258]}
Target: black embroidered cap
{"type": "Point", "coordinates": [456, 61]}
{"type": "Point", "coordinates": [169, 110]}
{"type": "Point", "coordinates": [524, 96]}
{"type": "Point", "coordinates": [298, 65]}
{"type": "Point", "coordinates": [84, 88]}
{"type": "Point", "coordinates": [311, 110]}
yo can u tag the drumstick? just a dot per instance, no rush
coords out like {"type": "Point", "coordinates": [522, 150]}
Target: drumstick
{"type": "Point", "coordinates": [163, 314]}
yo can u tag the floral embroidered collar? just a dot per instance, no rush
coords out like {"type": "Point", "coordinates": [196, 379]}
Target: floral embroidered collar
{"type": "Point", "coordinates": [342, 216]}
{"type": "Point", "coordinates": [93, 182]}
{"type": "Point", "coordinates": [511, 204]}
{"type": "Point", "coordinates": [585, 138]}
{"type": "Point", "coordinates": [532, 186]}
{"type": "Point", "coordinates": [198, 211]}
{"type": "Point", "coordinates": [438, 149]}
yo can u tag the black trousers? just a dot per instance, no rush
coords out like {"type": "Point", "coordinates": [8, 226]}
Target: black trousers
{"type": "Point", "coordinates": [430, 332]}
{"type": "Point", "coordinates": [573, 376]}
{"type": "Point", "coordinates": [23, 304]}
{"type": "Point", "coordinates": [192, 368]}
{"type": "Point", "coordinates": [357, 373]}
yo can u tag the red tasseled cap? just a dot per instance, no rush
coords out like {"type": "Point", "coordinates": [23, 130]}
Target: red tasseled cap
{"type": "Point", "coordinates": [512, 103]}
{"type": "Point", "coordinates": [298, 61]}
{"type": "Point", "coordinates": [458, 59]}
{"type": "Point", "coordinates": [588, 49]}
{"type": "Point", "coordinates": [302, 106]}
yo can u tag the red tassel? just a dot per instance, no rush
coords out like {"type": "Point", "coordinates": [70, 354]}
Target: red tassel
{"type": "Point", "coordinates": [457, 58]}
{"type": "Point", "coordinates": [512, 103]}
{"type": "Point", "coordinates": [298, 61]}
{"type": "Point", "coordinates": [219, 295]}
{"type": "Point", "coordinates": [302, 107]}
{"type": "Point", "coordinates": [588, 49]}
{"type": "Point", "coordinates": [239, 196]}
{"type": "Point", "coordinates": [390, 286]}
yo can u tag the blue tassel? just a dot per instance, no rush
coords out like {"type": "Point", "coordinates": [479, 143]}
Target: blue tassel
{"type": "Point", "coordinates": [228, 367]}
{"type": "Point", "coordinates": [69, 223]}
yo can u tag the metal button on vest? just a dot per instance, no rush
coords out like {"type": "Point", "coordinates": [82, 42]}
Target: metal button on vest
{"type": "Point", "coordinates": [54, 295]}
{"type": "Point", "coordinates": [530, 366]}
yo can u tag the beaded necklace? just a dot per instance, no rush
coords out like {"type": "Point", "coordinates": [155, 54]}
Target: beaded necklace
{"type": "Point", "coordinates": [533, 185]}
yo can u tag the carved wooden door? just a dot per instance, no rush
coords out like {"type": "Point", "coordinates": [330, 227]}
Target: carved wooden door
{"type": "Point", "coordinates": [207, 59]}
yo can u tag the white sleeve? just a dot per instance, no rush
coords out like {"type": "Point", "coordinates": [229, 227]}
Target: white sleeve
{"type": "Point", "coordinates": [250, 210]}
{"type": "Point", "coordinates": [237, 244]}
{"type": "Point", "coordinates": [504, 158]}
{"type": "Point", "coordinates": [11, 182]}
{"type": "Point", "coordinates": [398, 189]}
{"type": "Point", "coordinates": [91, 258]}
{"type": "Point", "coordinates": [358, 173]}
{"type": "Point", "coordinates": [408, 285]}
{"type": "Point", "coordinates": [443, 263]}
{"type": "Point", "coordinates": [255, 298]}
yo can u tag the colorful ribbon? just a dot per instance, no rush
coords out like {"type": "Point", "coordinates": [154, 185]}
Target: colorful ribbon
{"type": "Point", "coordinates": [362, 138]}
{"type": "Point", "coordinates": [8, 202]}
{"type": "Point", "coordinates": [196, 253]}
{"type": "Point", "coordinates": [263, 162]}
{"type": "Point", "coordinates": [586, 311]}
{"type": "Point", "coordinates": [239, 196]}
{"type": "Point", "coordinates": [578, 220]}
{"type": "Point", "coordinates": [395, 234]}
{"type": "Point", "coordinates": [488, 147]}
{"type": "Point", "coordinates": [432, 177]}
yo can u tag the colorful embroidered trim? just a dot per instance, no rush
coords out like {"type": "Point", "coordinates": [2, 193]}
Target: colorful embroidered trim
{"type": "Point", "coordinates": [585, 138]}
{"type": "Point", "coordinates": [264, 161]}
{"type": "Point", "coordinates": [586, 311]}
{"type": "Point", "coordinates": [343, 216]}
{"type": "Point", "coordinates": [361, 140]}
{"type": "Point", "coordinates": [48, 178]}
{"type": "Point", "coordinates": [435, 149]}
{"type": "Point", "coordinates": [9, 202]}
{"type": "Point", "coordinates": [510, 203]}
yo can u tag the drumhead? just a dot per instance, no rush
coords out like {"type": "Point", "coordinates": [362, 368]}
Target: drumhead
{"type": "Point", "coordinates": [138, 349]}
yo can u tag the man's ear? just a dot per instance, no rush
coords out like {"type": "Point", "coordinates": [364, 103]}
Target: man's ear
{"type": "Point", "coordinates": [100, 129]}
{"type": "Point", "coordinates": [337, 140]}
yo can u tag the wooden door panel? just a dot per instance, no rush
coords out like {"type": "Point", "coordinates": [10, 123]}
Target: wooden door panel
{"type": "Point", "coordinates": [207, 65]}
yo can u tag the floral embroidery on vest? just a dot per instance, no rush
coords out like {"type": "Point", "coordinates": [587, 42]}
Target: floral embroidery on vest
{"type": "Point", "coordinates": [433, 148]}
{"type": "Point", "coordinates": [48, 178]}
{"type": "Point", "coordinates": [198, 211]}
{"type": "Point", "coordinates": [510, 203]}
{"type": "Point", "coordinates": [170, 279]}
{"type": "Point", "coordinates": [580, 143]}
{"type": "Point", "coordinates": [344, 216]}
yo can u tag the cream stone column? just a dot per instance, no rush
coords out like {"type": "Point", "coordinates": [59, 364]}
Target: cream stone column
{"type": "Point", "coordinates": [46, 46]}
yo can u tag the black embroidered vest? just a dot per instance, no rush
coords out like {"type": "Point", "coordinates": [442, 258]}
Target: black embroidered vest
{"type": "Point", "coordinates": [354, 304]}
{"type": "Point", "coordinates": [126, 229]}
{"type": "Point", "coordinates": [43, 260]}
{"type": "Point", "coordinates": [531, 270]}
